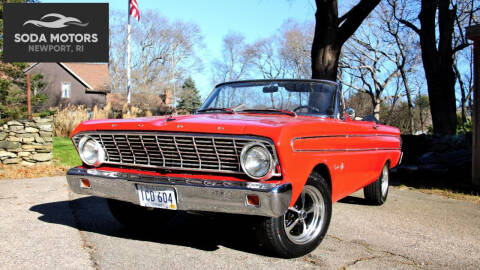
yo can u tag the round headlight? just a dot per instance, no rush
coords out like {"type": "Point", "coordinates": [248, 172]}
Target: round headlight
{"type": "Point", "coordinates": [91, 152]}
{"type": "Point", "coordinates": [256, 161]}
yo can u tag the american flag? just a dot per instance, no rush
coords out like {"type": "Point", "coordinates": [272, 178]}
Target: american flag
{"type": "Point", "coordinates": [134, 10]}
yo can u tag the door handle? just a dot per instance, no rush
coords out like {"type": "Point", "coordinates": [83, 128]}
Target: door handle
{"type": "Point", "coordinates": [375, 127]}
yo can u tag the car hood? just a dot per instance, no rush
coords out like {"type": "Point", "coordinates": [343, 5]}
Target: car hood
{"type": "Point", "coordinates": [251, 124]}
{"type": "Point", "coordinates": [280, 128]}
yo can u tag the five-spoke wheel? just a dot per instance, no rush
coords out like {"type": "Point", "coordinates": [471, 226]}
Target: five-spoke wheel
{"type": "Point", "coordinates": [303, 220]}
{"type": "Point", "coordinates": [301, 229]}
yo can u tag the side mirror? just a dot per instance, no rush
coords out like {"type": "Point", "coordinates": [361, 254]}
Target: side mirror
{"type": "Point", "coordinates": [350, 113]}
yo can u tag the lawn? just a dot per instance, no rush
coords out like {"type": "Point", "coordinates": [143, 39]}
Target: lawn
{"type": "Point", "coordinates": [64, 152]}
{"type": "Point", "coordinates": [64, 157]}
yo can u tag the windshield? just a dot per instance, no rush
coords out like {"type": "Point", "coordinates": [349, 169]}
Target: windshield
{"type": "Point", "coordinates": [301, 97]}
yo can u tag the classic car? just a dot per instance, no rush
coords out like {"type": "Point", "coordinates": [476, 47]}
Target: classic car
{"type": "Point", "coordinates": [281, 150]}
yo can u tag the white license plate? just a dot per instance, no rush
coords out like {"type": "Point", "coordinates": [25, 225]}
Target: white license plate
{"type": "Point", "coordinates": [157, 197]}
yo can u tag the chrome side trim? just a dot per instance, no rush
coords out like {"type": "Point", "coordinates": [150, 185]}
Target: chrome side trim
{"type": "Point", "coordinates": [193, 194]}
{"type": "Point", "coordinates": [344, 149]}
{"type": "Point", "coordinates": [346, 136]}
{"type": "Point", "coordinates": [348, 150]}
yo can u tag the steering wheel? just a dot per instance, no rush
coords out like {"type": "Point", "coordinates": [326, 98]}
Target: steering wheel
{"type": "Point", "coordinates": [311, 108]}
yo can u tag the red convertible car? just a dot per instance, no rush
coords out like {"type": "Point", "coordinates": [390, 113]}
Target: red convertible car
{"type": "Point", "coordinates": [282, 150]}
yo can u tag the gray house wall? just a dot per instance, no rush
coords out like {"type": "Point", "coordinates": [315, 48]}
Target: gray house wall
{"type": "Point", "coordinates": [53, 76]}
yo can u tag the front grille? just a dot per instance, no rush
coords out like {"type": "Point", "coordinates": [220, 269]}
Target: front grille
{"type": "Point", "coordinates": [197, 152]}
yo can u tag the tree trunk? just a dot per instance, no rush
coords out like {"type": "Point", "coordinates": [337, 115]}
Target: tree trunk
{"type": "Point", "coordinates": [325, 50]}
{"type": "Point", "coordinates": [463, 100]}
{"type": "Point", "coordinates": [411, 121]}
{"type": "Point", "coordinates": [376, 101]}
{"type": "Point", "coordinates": [376, 108]}
{"type": "Point", "coordinates": [331, 32]}
{"type": "Point", "coordinates": [438, 63]}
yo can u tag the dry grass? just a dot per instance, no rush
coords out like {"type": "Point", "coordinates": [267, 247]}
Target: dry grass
{"type": "Point", "coordinates": [473, 197]}
{"type": "Point", "coordinates": [67, 119]}
{"type": "Point", "coordinates": [20, 172]}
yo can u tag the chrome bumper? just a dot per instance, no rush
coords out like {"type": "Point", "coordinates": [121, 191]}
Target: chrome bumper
{"type": "Point", "coordinates": [192, 194]}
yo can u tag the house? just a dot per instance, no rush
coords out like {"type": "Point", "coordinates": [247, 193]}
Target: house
{"type": "Point", "coordinates": [73, 83]}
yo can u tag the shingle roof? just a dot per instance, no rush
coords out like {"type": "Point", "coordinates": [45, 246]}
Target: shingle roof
{"type": "Point", "coordinates": [94, 76]}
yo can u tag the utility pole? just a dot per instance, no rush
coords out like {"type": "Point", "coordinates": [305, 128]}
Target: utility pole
{"type": "Point", "coordinates": [29, 102]}
{"type": "Point", "coordinates": [473, 33]}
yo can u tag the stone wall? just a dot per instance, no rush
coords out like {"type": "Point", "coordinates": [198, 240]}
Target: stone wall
{"type": "Point", "coordinates": [26, 142]}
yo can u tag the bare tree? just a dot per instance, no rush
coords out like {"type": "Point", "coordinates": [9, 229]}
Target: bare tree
{"type": "Point", "coordinates": [367, 65]}
{"type": "Point", "coordinates": [163, 53]}
{"type": "Point", "coordinates": [467, 15]}
{"type": "Point", "coordinates": [439, 22]}
{"type": "Point", "coordinates": [405, 55]}
{"type": "Point", "coordinates": [266, 60]}
{"type": "Point", "coordinates": [295, 43]}
{"type": "Point", "coordinates": [286, 54]}
{"type": "Point", "coordinates": [236, 59]}
{"type": "Point", "coordinates": [118, 52]}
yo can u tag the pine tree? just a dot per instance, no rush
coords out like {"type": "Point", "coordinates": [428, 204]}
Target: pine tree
{"type": "Point", "coordinates": [190, 98]}
{"type": "Point", "coordinates": [12, 82]}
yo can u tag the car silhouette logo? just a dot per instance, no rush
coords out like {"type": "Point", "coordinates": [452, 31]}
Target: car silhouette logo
{"type": "Point", "coordinates": [61, 22]}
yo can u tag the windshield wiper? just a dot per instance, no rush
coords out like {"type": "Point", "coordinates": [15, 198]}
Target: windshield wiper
{"type": "Point", "coordinates": [269, 111]}
{"type": "Point", "coordinates": [226, 110]}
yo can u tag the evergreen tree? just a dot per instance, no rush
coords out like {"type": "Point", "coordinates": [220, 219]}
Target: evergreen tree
{"type": "Point", "coordinates": [190, 98]}
{"type": "Point", "coordinates": [12, 81]}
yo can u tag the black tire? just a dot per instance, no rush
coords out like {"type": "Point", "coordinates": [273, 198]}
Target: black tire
{"type": "Point", "coordinates": [374, 193]}
{"type": "Point", "coordinates": [272, 232]}
{"type": "Point", "coordinates": [135, 216]}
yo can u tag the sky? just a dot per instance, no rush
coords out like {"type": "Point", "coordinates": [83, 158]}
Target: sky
{"type": "Point", "coordinates": [253, 18]}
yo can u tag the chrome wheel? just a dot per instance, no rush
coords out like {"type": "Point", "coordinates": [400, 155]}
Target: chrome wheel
{"type": "Point", "coordinates": [384, 181]}
{"type": "Point", "coordinates": [303, 222]}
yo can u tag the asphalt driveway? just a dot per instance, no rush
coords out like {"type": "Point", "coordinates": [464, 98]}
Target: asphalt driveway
{"type": "Point", "coordinates": [44, 226]}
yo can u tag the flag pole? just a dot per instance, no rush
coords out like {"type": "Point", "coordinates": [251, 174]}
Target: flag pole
{"type": "Point", "coordinates": [128, 56]}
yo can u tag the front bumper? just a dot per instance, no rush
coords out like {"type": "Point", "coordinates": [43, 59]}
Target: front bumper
{"type": "Point", "coordinates": [192, 194]}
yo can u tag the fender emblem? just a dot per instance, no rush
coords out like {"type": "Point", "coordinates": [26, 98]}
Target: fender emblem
{"type": "Point", "coordinates": [338, 167]}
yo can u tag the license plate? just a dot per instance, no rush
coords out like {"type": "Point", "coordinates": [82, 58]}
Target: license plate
{"type": "Point", "coordinates": [157, 197]}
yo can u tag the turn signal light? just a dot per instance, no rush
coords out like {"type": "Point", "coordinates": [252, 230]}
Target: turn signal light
{"type": "Point", "coordinates": [85, 183]}
{"type": "Point", "coordinates": [253, 200]}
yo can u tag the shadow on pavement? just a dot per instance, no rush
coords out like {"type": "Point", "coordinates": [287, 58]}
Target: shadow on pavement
{"type": "Point", "coordinates": [354, 200]}
{"type": "Point", "coordinates": [204, 232]}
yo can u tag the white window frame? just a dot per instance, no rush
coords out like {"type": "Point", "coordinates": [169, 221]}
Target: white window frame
{"type": "Point", "coordinates": [66, 94]}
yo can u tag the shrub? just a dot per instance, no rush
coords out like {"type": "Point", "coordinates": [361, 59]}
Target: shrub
{"type": "Point", "coordinates": [141, 103]}
{"type": "Point", "coordinates": [66, 119]}
{"type": "Point", "coordinates": [464, 127]}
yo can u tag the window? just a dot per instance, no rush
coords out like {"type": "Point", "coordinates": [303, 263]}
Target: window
{"type": "Point", "coordinates": [65, 90]}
